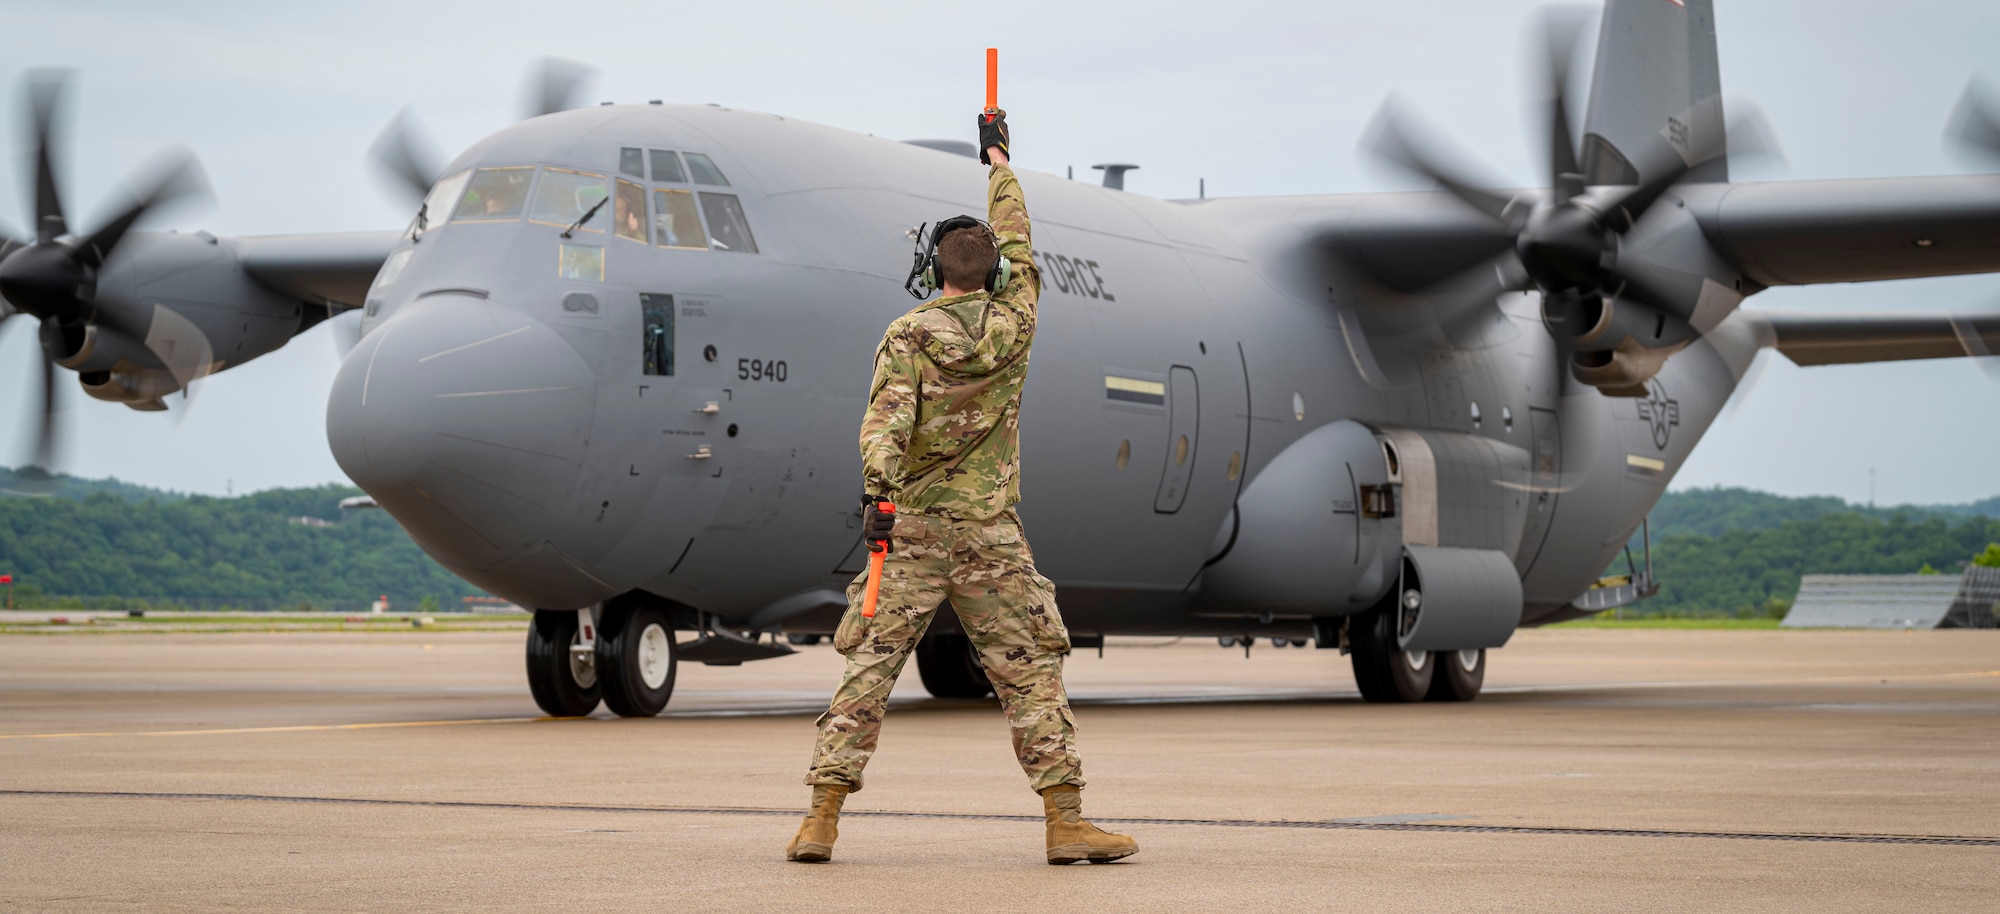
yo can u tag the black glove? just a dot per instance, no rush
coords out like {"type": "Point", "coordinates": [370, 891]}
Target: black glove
{"type": "Point", "coordinates": [993, 132]}
{"type": "Point", "coordinates": [877, 526]}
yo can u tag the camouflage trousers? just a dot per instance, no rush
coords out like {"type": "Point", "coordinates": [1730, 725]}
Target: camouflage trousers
{"type": "Point", "coordinates": [986, 570]}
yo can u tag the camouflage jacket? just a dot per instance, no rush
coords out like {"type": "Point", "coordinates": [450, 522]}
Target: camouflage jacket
{"type": "Point", "coordinates": [941, 435]}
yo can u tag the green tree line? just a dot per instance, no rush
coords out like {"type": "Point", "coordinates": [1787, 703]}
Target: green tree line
{"type": "Point", "coordinates": [1729, 551]}
{"type": "Point", "coordinates": [105, 543]}
{"type": "Point", "coordinates": [1755, 568]}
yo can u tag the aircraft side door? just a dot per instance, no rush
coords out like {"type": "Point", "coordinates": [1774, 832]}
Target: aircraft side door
{"type": "Point", "coordinates": [1183, 437]}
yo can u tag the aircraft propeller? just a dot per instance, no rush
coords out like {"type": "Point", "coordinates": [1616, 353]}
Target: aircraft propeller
{"type": "Point", "coordinates": [409, 164]}
{"type": "Point", "coordinates": [54, 277]}
{"type": "Point", "coordinates": [1975, 123]}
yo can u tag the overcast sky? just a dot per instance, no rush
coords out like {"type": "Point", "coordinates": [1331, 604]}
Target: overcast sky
{"type": "Point", "coordinates": [280, 101]}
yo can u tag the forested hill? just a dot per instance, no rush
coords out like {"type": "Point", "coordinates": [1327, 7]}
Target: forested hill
{"type": "Point", "coordinates": [1739, 551]}
{"type": "Point", "coordinates": [1713, 512]}
{"type": "Point", "coordinates": [1716, 550]}
{"type": "Point", "coordinates": [102, 538]}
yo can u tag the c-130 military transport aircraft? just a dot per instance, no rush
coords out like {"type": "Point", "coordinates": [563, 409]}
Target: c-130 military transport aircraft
{"type": "Point", "coordinates": [614, 367]}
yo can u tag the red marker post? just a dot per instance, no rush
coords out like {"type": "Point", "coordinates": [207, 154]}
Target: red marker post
{"type": "Point", "coordinates": [8, 580]}
{"type": "Point", "coordinates": [877, 551]}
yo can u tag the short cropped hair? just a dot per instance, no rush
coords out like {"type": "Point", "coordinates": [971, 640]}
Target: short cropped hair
{"type": "Point", "coordinates": [965, 256]}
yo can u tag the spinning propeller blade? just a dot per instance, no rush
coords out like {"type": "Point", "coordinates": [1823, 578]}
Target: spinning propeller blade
{"type": "Point", "coordinates": [1975, 123]}
{"type": "Point", "coordinates": [404, 159]}
{"type": "Point", "coordinates": [54, 278]}
{"type": "Point", "coordinates": [552, 86]}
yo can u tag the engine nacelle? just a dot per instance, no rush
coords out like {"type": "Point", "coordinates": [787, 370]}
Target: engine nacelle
{"type": "Point", "coordinates": [1316, 532]}
{"type": "Point", "coordinates": [140, 388]}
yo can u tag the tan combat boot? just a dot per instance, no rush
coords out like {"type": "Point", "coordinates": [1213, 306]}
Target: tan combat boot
{"type": "Point", "coordinates": [814, 842]}
{"type": "Point", "coordinates": [1071, 838]}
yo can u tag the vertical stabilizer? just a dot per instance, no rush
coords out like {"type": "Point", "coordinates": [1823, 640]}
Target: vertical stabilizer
{"type": "Point", "coordinates": [1654, 92]}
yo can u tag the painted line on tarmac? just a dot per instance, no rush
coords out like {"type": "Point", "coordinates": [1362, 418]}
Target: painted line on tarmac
{"type": "Point", "coordinates": [1221, 695]}
{"type": "Point", "coordinates": [1322, 824]}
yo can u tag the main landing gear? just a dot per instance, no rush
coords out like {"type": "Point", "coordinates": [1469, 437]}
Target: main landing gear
{"type": "Point", "coordinates": [950, 668]}
{"type": "Point", "coordinates": [1386, 673]}
{"type": "Point", "coordinates": [627, 658]}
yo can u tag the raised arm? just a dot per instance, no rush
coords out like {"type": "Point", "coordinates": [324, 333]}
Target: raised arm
{"type": "Point", "coordinates": [1007, 212]}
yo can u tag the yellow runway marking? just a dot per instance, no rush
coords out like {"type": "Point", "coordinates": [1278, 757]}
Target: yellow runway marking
{"type": "Point", "coordinates": [302, 728]}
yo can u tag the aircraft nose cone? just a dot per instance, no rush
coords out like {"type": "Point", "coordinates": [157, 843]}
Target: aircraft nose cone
{"type": "Point", "coordinates": [467, 422]}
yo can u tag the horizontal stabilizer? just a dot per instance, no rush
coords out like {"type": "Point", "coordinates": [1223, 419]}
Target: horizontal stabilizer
{"type": "Point", "coordinates": [1846, 339]}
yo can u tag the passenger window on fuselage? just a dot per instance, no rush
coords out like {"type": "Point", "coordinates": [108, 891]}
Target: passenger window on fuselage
{"type": "Point", "coordinates": [632, 162]}
{"type": "Point", "coordinates": [667, 166]}
{"type": "Point", "coordinates": [628, 217]}
{"type": "Point", "coordinates": [726, 223]}
{"type": "Point", "coordinates": [658, 311]}
{"type": "Point", "coordinates": [675, 222]}
{"type": "Point", "coordinates": [704, 171]}
{"type": "Point", "coordinates": [495, 194]}
{"type": "Point", "coordinates": [565, 195]}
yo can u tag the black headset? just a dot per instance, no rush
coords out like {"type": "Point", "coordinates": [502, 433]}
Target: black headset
{"type": "Point", "coordinates": [923, 278]}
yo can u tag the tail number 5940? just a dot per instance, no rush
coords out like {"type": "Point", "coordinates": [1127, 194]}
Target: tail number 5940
{"type": "Point", "coordinates": [760, 370]}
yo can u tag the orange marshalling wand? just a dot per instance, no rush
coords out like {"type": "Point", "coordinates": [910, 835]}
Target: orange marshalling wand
{"type": "Point", "coordinates": [992, 79]}
{"type": "Point", "coordinates": [877, 551]}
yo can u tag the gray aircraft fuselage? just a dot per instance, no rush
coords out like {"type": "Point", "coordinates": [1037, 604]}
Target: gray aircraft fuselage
{"type": "Point", "coordinates": [513, 429]}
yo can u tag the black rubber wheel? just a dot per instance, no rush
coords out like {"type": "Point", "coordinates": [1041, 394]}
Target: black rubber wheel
{"type": "Point", "coordinates": [1384, 672]}
{"type": "Point", "coordinates": [1454, 679]}
{"type": "Point", "coordinates": [562, 683]}
{"type": "Point", "coordinates": [804, 640]}
{"type": "Point", "coordinates": [636, 658]}
{"type": "Point", "coordinates": [950, 669]}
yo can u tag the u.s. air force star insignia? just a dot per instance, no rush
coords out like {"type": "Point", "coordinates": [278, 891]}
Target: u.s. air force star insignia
{"type": "Point", "coordinates": [1660, 410]}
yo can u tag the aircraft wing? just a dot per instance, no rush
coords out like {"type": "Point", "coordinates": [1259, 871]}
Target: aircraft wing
{"type": "Point", "coordinates": [334, 268]}
{"type": "Point", "coordinates": [1845, 339]}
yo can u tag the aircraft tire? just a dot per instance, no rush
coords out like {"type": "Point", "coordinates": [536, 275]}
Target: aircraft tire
{"type": "Point", "coordinates": [637, 659]}
{"type": "Point", "coordinates": [950, 669]}
{"type": "Point", "coordinates": [1384, 673]}
{"type": "Point", "coordinates": [553, 675]}
{"type": "Point", "coordinates": [1453, 679]}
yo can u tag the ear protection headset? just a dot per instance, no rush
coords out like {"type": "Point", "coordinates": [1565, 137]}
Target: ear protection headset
{"type": "Point", "coordinates": [923, 278]}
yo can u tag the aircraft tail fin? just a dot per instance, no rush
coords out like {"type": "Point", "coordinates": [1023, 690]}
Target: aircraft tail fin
{"type": "Point", "coordinates": [1655, 91]}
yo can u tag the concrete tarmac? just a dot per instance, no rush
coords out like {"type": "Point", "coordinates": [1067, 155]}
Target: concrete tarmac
{"type": "Point", "coordinates": [1603, 770]}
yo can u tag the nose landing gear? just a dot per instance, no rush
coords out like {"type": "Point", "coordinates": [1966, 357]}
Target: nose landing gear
{"type": "Point", "coordinates": [627, 657]}
{"type": "Point", "coordinates": [636, 658]}
{"type": "Point", "coordinates": [562, 678]}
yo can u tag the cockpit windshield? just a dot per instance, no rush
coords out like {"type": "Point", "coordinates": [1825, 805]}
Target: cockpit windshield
{"type": "Point", "coordinates": [629, 214]}
{"type": "Point", "coordinates": [437, 203]}
{"type": "Point", "coordinates": [565, 196]}
{"type": "Point", "coordinates": [495, 194]}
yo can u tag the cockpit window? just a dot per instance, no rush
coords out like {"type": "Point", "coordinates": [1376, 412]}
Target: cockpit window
{"type": "Point", "coordinates": [628, 217]}
{"type": "Point", "coordinates": [676, 224]}
{"type": "Point", "coordinates": [565, 196]}
{"type": "Point", "coordinates": [704, 171]}
{"type": "Point", "coordinates": [726, 223]}
{"type": "Point", "coordinates": [437, 204]}
{"type": "Point", "coordinates": [667, 166]}
{"type": "Point", "coordinates": [632, 162]}
{"type": "Point", "coordinates": [495, 194]}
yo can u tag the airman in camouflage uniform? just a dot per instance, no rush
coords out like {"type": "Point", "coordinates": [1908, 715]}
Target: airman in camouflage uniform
{"type": "Point", "coordinates": [940, 440]}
